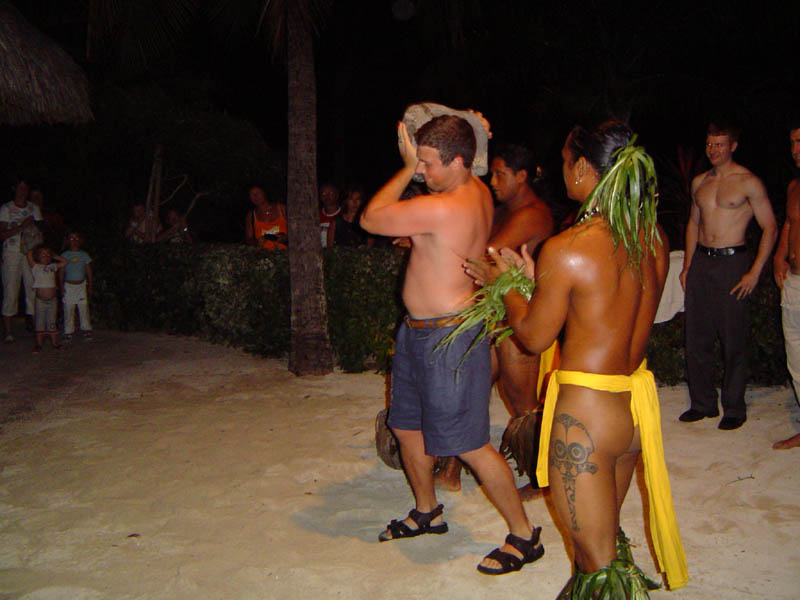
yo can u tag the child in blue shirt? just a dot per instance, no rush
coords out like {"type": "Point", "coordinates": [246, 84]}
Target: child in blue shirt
{"type": "Point", "coordinates": [77, 279]}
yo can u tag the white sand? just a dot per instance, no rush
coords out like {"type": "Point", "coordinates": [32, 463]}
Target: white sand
{"type": "Point", "coordinates": [149, 466]}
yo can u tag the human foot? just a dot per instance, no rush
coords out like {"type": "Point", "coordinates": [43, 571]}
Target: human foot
{"type": "Point", "coordinates": [415, 524]}
{"type": "Point", "coordinates": [513, 555]}
{"type": "Point", "coordinates": [792, 442]}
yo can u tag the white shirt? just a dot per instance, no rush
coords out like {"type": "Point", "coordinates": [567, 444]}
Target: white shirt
{"type": "Point", "coordinates": [12, 215]}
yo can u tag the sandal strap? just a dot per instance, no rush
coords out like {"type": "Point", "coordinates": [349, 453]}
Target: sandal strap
{"type": "Point", "coordinates": [399, 529]}
{"type": "Point", "coordinates": [522, 545]}
{"type": "Point", "coordinates": [507, 561]}
{"type": "Point", "coordinates": [423, 520]}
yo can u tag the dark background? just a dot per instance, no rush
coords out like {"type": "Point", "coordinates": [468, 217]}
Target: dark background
{"type": "Point", "coordinates": [216, 98]}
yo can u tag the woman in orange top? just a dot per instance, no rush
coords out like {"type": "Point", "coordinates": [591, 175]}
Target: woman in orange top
{"type": "Point", "coordinates": [265, 225]}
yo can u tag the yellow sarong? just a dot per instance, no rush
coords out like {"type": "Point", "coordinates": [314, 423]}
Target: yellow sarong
{"type": "Point", "coordinates": [646, 414]}
{"type": "Point", "coordinates": [547, 360]}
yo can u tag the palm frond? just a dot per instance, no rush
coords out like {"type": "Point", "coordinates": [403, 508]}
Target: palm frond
{"type": "Point", "coordinates": [618, 580]}
{"type": "Point", "coordinates": [624, 553]}
{"type": "Point", "coordinates": [488, 308]}
{"type": "Point", "coordinates": [627, 199]}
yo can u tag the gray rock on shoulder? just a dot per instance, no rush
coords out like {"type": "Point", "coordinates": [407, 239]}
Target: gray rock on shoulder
{"type": "Point", "coordinates": [417, 115]}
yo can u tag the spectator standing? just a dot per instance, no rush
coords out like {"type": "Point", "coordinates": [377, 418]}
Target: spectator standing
{"type": "Point", "coordinates": [329, 209]}
{"type": "Point", "coordinates": [265, 226]}
{"type": "Point", "coordinates": [177, 231]}
{"type": "Point", "coordinates": [345, 229]}
{"type": "Point", "coordinates": [19, 234]}
{"type": "Point", "coordinates": [44, 272]}
{"type": "Point", "coordinates": [787, 275]}
{"type": "Point", "coordinates": [77, 281]}
{"type": "Point", "coordinates": [718, 274]}
{"type": "Point", "coordinates": [138, 225]}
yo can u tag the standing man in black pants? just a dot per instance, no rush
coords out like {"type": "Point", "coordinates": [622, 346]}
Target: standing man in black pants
{"type": "Point", "coordinates": [719, 273]}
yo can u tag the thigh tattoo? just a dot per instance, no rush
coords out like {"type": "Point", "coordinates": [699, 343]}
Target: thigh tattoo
{"type": "Point", "coordinates": [570, 455]}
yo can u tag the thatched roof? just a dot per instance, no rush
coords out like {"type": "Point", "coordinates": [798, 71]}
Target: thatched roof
{"type": "Point", "coordinates": [39, 81]}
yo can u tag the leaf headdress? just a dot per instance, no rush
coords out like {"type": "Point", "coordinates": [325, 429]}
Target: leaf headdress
{"type": "Point", "coordinates": [626, 198]}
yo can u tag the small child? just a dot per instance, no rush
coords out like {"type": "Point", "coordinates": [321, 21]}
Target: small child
{"type": "Point", "coordinates": [45, 289]}
{"type": "Point", "coordinates": [77, 279]}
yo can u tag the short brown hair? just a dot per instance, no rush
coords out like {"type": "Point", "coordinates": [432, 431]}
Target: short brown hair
{"type": "Point", "coordinates": [452, 136]}
{"type": "Point", "coordinates": [721, 128]}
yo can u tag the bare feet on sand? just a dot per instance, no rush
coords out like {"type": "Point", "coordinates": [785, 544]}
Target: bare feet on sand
{"type": "Point", "coordinates": [792, 442]}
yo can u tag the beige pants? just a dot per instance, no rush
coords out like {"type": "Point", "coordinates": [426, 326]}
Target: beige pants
{"type": "Point", "coordinates": [790, 309]}
{"type": "Point", "coordinates": [75, 296]}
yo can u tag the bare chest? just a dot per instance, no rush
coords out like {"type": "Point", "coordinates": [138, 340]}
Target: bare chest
{"type": "Point", "coordinates": [721, 193]}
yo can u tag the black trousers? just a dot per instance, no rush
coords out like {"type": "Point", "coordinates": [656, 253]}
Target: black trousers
{"type": "Point", "coordinates": [713, 313]}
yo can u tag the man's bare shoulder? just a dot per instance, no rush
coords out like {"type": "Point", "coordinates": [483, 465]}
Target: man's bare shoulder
{"type": "Point", "coordinates": [472, 188]}
{"type": "Point", "coordinates": [699, 179]}
{"type": "Point", "coordinates": [751, 185]}
{"type": "Point", "coordinates": [536, 208]}
{"type": "Point", "coordinates": [746, 175]}
{"type": "Point", "coordinates": [583, 242]}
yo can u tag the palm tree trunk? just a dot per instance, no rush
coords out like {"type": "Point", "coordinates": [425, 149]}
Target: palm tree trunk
{"type": "Point", "coordinates": [311, 352]}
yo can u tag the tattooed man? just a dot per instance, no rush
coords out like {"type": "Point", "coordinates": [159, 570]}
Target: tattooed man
{"type": "Point", "coordinates": [602, 280]}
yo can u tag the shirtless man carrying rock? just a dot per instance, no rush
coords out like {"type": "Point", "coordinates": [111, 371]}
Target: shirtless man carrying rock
{"type": "Point", "coordinates": [718, 274]}
{"type": "Point", "coordinates": [433, 412]}
{"type": "Point", "coordinates": [786, 266]}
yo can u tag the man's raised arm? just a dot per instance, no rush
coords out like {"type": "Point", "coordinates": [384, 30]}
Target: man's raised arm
{"type": "Point", "coordinates": [375, 218]}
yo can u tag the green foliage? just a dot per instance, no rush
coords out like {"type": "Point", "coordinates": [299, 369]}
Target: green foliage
{"type": "Point", "coordinates": [239, 295]}
{"type": "Point", "coordinates": [225, 293]}
{"type": "Point", "coordinates": [364, 304]}
{"type": "Point", "coordinates": [489, 307]}
{"type": "Point", "coordinates": [626, 199]}
{"type": "Point", "coordinates": [620, 579]}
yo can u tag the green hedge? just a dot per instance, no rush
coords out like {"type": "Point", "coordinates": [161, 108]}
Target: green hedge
{"type": "Point", "coordinates": [240, 296]}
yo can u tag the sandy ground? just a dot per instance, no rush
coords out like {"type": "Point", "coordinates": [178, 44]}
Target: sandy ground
{"type": "Point", "coordinates": [148, 466]}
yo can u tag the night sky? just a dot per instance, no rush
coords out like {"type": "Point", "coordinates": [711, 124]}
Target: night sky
{"type": "Point", "coordinates": [533, 68]}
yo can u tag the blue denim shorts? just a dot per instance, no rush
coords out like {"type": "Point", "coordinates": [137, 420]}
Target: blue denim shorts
{"type": "Point", "coordinates": [439, 392]}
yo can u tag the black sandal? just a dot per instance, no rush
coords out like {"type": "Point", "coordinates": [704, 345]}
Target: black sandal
{"type": "Point", "coordinates": [531, 550]}
{"type": "Point", "coordinates": [398, 529]}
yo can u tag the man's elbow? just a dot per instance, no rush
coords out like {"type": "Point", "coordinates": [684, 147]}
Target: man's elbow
{"type": "Point", "coordinates": [366, 223]}
{"type": "Point", "coordinates": [532, 344]}
{"type": "Point", "coordinates": [771, 233]}
{"type": "Point", "coordinates": [525, 337]}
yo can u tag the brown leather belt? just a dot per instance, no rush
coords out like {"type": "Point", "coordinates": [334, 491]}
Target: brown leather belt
{"type": "Point", "coordinates": [729, 251]}
{"type": "Point", "coordinates": [433, 323]}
